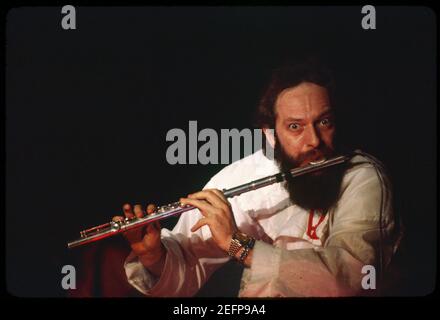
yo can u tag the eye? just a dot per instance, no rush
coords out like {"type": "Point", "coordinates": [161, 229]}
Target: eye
{"type": "Point", "coordinates": [325, 122]}
{"type": "Point", "coordinates": [294, 126]}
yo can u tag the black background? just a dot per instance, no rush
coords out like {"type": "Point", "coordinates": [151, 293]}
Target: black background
{"type": "Point", "coordinates": [87, 112]}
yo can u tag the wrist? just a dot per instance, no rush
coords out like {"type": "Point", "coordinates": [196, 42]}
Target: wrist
{"type": "Point", "coordinates": [240, 246]}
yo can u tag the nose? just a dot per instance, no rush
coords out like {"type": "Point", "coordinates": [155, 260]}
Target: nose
{"type": "Point", "coordinates": [312, 139]}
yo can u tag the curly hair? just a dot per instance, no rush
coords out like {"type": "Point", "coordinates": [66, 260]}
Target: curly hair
{"type": "Point", "coordinates": [289, 75]}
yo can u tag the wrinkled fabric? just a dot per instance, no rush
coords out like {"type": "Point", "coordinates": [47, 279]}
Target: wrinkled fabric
{"type": "Point", "coordinates": [359, 230]}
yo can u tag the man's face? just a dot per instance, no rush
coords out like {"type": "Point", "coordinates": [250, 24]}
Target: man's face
{"type": "Point", "coordinates": [304, 123]}
{"type": "Point", "coordinates": [304, 132]}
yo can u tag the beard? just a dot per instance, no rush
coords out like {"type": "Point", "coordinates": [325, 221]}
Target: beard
{"type": "Point", "coordinates": [318, 191]}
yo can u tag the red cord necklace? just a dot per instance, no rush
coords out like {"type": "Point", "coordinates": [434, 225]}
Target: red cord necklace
{"type": "Point", "coordinates": [311, 229]}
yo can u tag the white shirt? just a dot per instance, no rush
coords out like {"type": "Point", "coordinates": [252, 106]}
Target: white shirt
{"type": "Point", "coordinates": [288, 260]}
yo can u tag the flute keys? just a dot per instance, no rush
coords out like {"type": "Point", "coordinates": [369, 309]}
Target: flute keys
{"type": "Point", "coordinates": [168, 207]}
{"type": "Point", "coordinates": [115, 225]}
{"type": "Point", "coordinates": [182, 205]}
{"type": "Point", "coordinates": [161, 209]}
{"type": "Point", "coordinates": [175, 205]}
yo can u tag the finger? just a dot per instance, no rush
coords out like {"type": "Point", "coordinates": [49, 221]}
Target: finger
{"type": "Point", "coordinates": [202, 222]}
{"type": "Point", "coordinates": [220, 195]}
{"type": "Point", "coordinates": [138, 211]}
{"type": "Point", "coordinates": [153, 227]}
{"type": "Point", "coordinates": [151, 208]}
{"type": "Point", "coordinates": [127, 211]}
{"type": "Point", "coordinates": [210, 196]}
{"type": "Point", "coordinates": [117, 218]}
{"type": "Point", "coordinates": [204, 207]}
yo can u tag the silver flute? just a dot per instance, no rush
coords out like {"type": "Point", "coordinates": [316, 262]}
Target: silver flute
{"type": "Point", "coordinates": [116, 227]}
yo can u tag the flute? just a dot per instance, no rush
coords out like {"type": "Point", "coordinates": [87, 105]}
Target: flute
{"type": "Point", "coordinates": [116, 227]}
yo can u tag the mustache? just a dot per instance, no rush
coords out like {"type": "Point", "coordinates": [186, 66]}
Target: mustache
{"type": "Point", "coordinates": [312, 155]}
{"type": "Point", "coordinates": [288, 162]}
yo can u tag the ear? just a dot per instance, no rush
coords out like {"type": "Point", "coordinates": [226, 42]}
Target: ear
{"type": "Point", "coordinates": [269, 133]}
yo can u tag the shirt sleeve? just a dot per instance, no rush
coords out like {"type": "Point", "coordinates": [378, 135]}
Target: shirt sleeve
{"type": "Point", "coordinates": [361, 231]}
{"type": "Point", "coordinates": [191, 258]}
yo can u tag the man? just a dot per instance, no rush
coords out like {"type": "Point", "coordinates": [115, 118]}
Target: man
{"type": "Point", "coordinates": [309, 236]}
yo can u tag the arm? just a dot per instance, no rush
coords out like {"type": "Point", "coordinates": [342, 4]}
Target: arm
{"type": "Point", "coordinates": [188, 259]}
{"type": "Point", "coordinates": [354, 239]}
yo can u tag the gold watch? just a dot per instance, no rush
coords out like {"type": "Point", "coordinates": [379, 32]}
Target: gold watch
{"type": "Point", "coordinates": [238, 241]}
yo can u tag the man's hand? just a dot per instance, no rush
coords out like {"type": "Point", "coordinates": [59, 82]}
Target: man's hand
{"type": "Point", "coordinates": [217, 215]}
{"type": "Point", "coordinates": [145, 241]}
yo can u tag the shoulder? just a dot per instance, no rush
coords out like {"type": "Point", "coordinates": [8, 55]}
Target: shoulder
{"type": "Point", "coordinates": [365, 169]}
{"type": "Point", "coordinates": [366, 189]}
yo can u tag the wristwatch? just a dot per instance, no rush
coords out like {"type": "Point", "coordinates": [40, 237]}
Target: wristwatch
{"type": "Point", "coordinates": [238, 241]}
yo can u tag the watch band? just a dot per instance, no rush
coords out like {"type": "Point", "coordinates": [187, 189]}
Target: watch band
{"type": "Point", "coordinates": [234, 247]}
{"type": "Point", "coordinates": [246, 250]}
{"type": "Point", "coordinates": [238, 241]}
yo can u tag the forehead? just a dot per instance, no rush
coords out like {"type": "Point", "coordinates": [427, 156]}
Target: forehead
{"type": "Point", "coordinates": [305, 100]}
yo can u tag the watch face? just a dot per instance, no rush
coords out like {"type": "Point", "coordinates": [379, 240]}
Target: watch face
{"type": "Point", "coordinates": [243, 238]}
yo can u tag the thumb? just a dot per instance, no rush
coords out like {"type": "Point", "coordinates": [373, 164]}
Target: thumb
{"type": "Point", "coordinates": [153, 227]}
{"type": "Point", "coordinates": [135, 235]}
{"type": "Point", "coordinates": [202, 222]}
